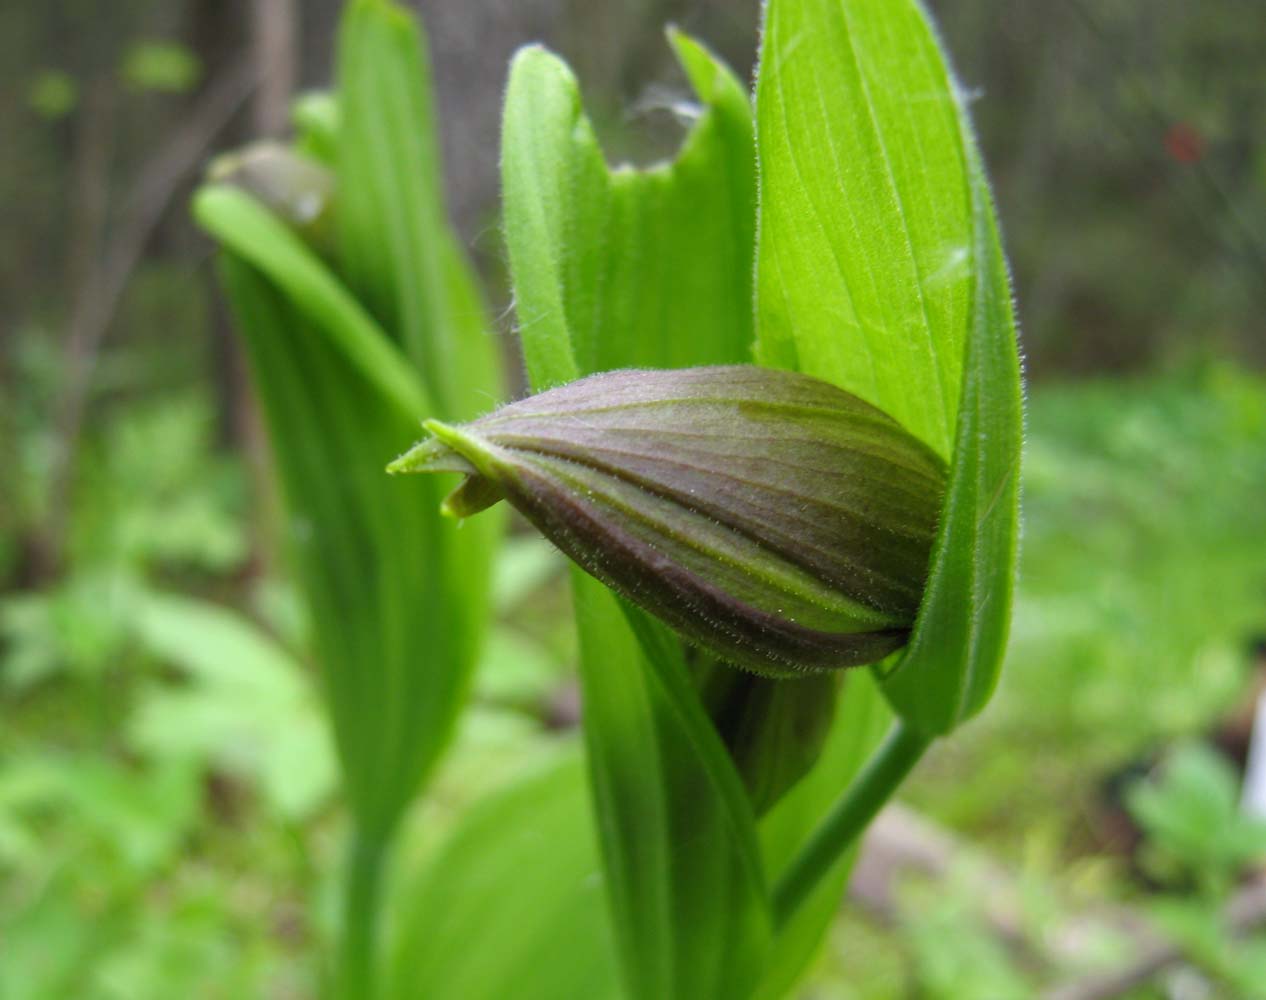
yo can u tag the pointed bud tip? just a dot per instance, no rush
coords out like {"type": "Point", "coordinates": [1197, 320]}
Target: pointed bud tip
{"type": "Point", "coordinates": [435, 454]}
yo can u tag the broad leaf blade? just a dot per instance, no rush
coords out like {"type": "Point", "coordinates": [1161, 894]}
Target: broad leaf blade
{"type": "Point", "coordinates": [606, 275]}
{"type": "Point", "coordinates": [241, 223]}
{"type": "Point", "coordinates": [879, 269]}
{"type": "Point", "coordinates": [512, 904]}
{"type": "Point", "coordinates": [950, 669]}
{"type": "Point", "coordinates": [864, 262]}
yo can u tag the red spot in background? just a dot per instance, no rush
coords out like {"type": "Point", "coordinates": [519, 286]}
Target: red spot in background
{"type": "Point", "coordinates": [1183, 143]}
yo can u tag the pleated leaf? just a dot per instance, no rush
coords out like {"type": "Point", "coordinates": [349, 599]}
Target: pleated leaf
{"type": "Point", "coordinates": [879, 269]}
{"type": "Point", "coordinates": [344, 372]}
{"type": "Point", "coordinates": [645, 268]}
{"type": "Point", "coordinates": [594, 291]}
{"type": "Point", "coordinates": [395, 621]}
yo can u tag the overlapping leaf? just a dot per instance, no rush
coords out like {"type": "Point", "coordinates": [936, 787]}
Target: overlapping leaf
{"type": "Point", "coordinates": [605, 277]}
{"type": "Point", "coordinates": [879, 268]}
{"type": "Point", "coordinates": [371, 559]}
{"type": "Point", "coordinates": [344, 374]}
{"type": "Point", "coordinates": [624, 267]}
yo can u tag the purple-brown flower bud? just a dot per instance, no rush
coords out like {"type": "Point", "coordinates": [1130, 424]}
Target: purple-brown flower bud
{"type": "Point", "coordinates": [773, 519]}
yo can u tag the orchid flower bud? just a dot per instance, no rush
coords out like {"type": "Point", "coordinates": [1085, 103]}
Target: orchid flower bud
{"type": "Point", "coordinates": [776, 521]}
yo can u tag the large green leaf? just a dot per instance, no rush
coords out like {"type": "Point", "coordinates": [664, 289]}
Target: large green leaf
{"type": "Point", "coordinates": [511, 905]}
{"type": "Point", "coordinates": [240, 222]}
{"type": "Point", "coordinates": [879, 268]}
{"type": "Point", "coordinates": [950, 669]}
{"type": "Point", "coordinates": [608, 271]}
{"type": "Point", "coordinates": [864, 265]}
{"type": "Point", "coordinates": [395, 618]}
{"type": "Point", "coordinates": [345, 373]}
{"type": "Point", "coordinates": [397, 253]}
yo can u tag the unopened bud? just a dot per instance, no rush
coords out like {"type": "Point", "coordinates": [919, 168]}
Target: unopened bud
{"type": "Point", "coordinates": [773, 519]}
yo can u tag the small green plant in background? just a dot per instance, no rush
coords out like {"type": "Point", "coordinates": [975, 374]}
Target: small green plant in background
{"type": "Point", "coordinates": [1198, 842]}
{"type": "Point", "coordinates": [862, 254]}
{"type": "Point", "coordinates": [350, 344]}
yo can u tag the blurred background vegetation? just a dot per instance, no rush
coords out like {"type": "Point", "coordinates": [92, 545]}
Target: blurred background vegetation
{"type": "Point", "coordinates": [167, 812]}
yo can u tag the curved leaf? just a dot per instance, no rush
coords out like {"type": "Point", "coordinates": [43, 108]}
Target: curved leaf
{"type": "Point", "coordinates": [395, 613]}
{"type": "Point", "coordinates": [607, 274]}
{"type": "Point", "coordinates": [625, 267]}
{"type": "Point", "coordinates": [512, 904]}
{"type": "Point", "coordinates": [879, 269]}
{"type": "Point", "coordinates": [254, 234]}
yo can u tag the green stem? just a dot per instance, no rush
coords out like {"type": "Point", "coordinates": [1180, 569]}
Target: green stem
{"type": "Point", "coordinates": [358, 963]}
{"type": "Point", "coordinates": [885, 770]}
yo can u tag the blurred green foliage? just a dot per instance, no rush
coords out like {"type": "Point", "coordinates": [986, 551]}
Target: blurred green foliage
{"type": "Point", "coordinates": [53, 94]}
{"type": "Point", "coordinates": [1143, 569]}
{"type": "Point", "coordinates": [160, 66]}
{"type": "Point", "coordinates": [1190, 815]}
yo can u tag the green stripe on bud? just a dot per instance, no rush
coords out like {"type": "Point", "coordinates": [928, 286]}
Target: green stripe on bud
{"type": "Point", "coordinates": [771, 518]}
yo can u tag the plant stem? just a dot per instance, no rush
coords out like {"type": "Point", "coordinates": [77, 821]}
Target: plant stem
{"type": "Point", "coordinates": [885, 770]}
{"type": "Point", "coordinates": [358, 963]}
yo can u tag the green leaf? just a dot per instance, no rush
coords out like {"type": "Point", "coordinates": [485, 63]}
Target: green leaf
{"type": "Point", "coordinates": [864, 270]}
{"type": "Point", "coordinates": [396, 602]}
{"type": "Point", "coordinates": [512, 904]}
{"type": "Point", "coordinates": [951, 667]}
{"type": "Point", "coordinates": [627, 267]}
{"type": "Point", "coordinates": [607, 273]}
{"type": "Point", "coordinates": [1191, 812]}
{"type": "Point", "coordinates": [879, 268]}
{"type": "Point", "coordinates": [397, 252]}
{"type": "Point", "coordinates": [244, 226]}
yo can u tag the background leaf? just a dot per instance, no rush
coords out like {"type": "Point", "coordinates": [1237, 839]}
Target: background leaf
{"type": "Point", "coordinates": [246, 704]}
{"type": "Point", "coordinates": [397, 602]}
{"type": "Point", "coordinates": [512, 904]}
{"type": "Point", "coordinates": [394, 638]}
{"type": "Point", "coordinates": [396, 251]}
